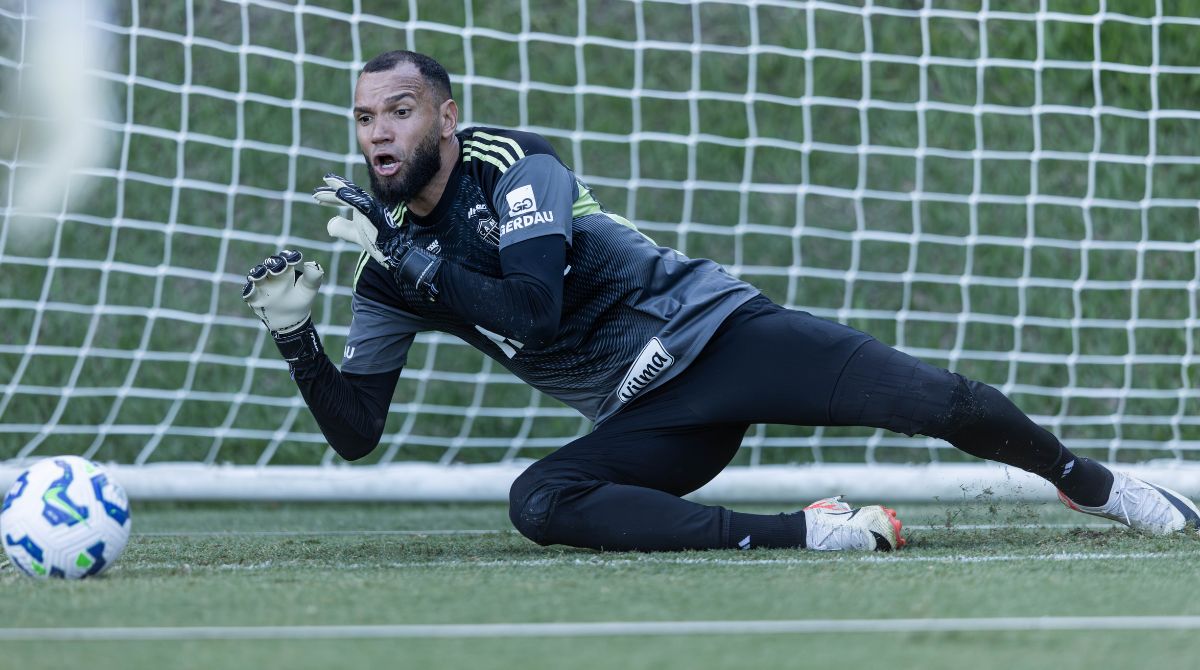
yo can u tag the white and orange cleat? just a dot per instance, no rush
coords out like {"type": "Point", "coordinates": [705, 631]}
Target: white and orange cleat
{"type": "Point", "coordinates": [1143, 506]}
{"type": "Point", "coordinates": [833, 525]}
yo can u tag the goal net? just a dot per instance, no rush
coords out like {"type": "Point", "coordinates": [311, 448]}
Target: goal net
{"type": "Point", "coordinates": [1004, 188]}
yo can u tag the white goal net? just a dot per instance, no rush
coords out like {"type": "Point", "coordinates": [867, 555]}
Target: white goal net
{"type": "Point", "coordinates": [1004, 188]}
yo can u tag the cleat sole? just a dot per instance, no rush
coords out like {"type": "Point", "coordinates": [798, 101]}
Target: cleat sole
{"type": "Point", "coordinates": [1068, 502]}
{"type": "Point", "coordinates": [897, 526]}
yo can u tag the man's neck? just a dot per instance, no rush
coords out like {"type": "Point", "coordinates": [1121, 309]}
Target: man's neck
{"type": "Point", "coordinates": [429, 196]}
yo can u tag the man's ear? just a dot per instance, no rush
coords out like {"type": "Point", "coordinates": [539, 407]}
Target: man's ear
{"type": "Point", "coordinates": [448, 113]}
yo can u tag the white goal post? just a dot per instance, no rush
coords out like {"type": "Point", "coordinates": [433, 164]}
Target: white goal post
{"type": "Point", "coordinates": [1006, 188]}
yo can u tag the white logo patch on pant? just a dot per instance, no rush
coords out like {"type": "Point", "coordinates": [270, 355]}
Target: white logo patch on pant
{"type": "Point", "coordinates": [648, 366]}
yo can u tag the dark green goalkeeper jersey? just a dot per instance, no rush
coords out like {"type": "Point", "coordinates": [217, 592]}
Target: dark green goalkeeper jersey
{"type": "Point", "coordinates": [634, 314]}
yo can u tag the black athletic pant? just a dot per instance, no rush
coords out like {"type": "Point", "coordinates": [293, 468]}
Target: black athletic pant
{"type": "Point", "coordinates": [618, 488]}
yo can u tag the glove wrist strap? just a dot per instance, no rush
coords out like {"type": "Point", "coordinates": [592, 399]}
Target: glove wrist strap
{"type": "Point", "coordinates": [299, 346]}
{"type": "Point", "coordinates": [419, 268]}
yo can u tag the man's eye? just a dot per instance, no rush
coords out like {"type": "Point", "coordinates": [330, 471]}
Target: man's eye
{"type": "Point", "coordinates": [364, 120]}
{"type": "Point", "coordinates": [401, 112]}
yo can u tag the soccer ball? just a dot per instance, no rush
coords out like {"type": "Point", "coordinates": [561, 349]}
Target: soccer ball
{"type": "Point", "coordinates": [64, 517]}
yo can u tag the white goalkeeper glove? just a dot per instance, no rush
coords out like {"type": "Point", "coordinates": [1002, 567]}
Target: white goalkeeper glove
{"type": "Point", "coordinates": [372, 228]}
{"type": "Point", "coordinates": [281, 291]}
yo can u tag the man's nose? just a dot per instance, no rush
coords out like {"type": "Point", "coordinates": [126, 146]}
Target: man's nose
{"type": "Point", "coordinates": [381, 132]}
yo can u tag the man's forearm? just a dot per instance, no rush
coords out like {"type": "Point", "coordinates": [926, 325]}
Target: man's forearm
{"type": "Point", "coordinates": [351, 409]}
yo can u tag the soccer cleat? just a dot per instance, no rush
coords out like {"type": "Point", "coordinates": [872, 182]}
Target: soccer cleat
{"type": "Point", "coordinates": [832, 525]}
{"type": "Point", "coordinates": [1142, 506]}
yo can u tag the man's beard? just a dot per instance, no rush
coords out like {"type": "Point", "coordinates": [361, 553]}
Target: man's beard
{"type": "Point", "coordinates": [422, 164]}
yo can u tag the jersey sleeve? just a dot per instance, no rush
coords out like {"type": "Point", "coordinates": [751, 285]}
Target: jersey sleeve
{"type": "Point", "coordinates": [534, 198]}
{"type": "Point", "coordinates": [380, 337]}
{"type": "Point", "coordinates": [525, 305]}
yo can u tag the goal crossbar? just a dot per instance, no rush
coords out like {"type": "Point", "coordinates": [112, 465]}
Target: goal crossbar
{"type": "Point", "coordinates": [426, 482]}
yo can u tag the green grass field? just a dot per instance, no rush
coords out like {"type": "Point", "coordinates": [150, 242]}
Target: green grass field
{"type": "Point", "coordinates": [191, 570]}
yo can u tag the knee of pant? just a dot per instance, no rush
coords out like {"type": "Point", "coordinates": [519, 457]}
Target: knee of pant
{"type": "Point", "coordinates": [966, 407]}
{"type": "Point", "coordinates": [530, 503]}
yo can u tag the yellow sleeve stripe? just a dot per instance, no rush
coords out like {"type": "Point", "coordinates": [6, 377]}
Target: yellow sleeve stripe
{"type": "Point", "coordinates": [520, 153]}
{"type": "Point", "coordinates": [480, 147]}
{"type": "Point", "coordinates": [358, 270]}
{"type": "Point", "coordinates": [485, 150]}
{"type": "Point", "coordinates": [471, 153]}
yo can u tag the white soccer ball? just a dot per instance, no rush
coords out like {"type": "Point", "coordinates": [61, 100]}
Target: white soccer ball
{"type": "Point", "coordinates": [64, 517]}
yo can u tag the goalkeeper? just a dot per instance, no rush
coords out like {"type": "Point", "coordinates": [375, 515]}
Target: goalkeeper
{"type": "Point", "coordinates": [487, 235]}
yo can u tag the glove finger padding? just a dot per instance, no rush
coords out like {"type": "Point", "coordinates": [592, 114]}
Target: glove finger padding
{"type": "Point", "coordinates": [255, 275]}
{"type": "Point", "coordinates": [370, 225]}
{"type": "Point", "coordinates": [327, 195]}
{"type": "Point", "coordinates": [275, 264]}
{"type": "Point", "coordinates": [341, 192]}
{"type": "Point", "coordinates": [271, 265]}
{"type": "Point", "coordinates": [333, 181]}
{"type": "Point", "coordinates": [330, 193]}
{"type": "Point", "coordinates": [280, 293]}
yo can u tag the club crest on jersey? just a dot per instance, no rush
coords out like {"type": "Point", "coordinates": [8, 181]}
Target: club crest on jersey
{"type": "Point", "coordinates": [485, 224]}
{"type": "Point", "coordinates": [648, 366]}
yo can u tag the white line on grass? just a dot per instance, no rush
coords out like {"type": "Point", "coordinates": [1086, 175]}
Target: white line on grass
{"type": "Point", "coordinates": [294, 533]}
{"type": "Point", "coordinates": [806, 559]}
{"type": "Point", "coordinates": [1008, 526]}
{"type": "Point", "coordinates": [601, 562]}
{"type": "Point", "coordinates": [609, 628]}
{"type": "Point", "coordinates": [498, 531]}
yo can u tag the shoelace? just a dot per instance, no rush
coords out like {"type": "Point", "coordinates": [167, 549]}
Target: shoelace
{"type": "Point", "coordinates": [1154, 510]}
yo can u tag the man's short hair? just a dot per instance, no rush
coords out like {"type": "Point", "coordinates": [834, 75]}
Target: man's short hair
{"type": "Point", "coordinates": [432, 71]}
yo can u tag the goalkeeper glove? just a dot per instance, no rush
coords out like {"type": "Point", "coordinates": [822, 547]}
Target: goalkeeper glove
{"type": "Point", "coordinates": [282, 294]}
{"type": "Point", "coordinates": [281, 291]}
{"type": "Point", "coordinates": [372, 228]}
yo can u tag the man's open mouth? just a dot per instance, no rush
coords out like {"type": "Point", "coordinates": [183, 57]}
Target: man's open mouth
{"type": "Point", "coordinates": [386, 165]}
